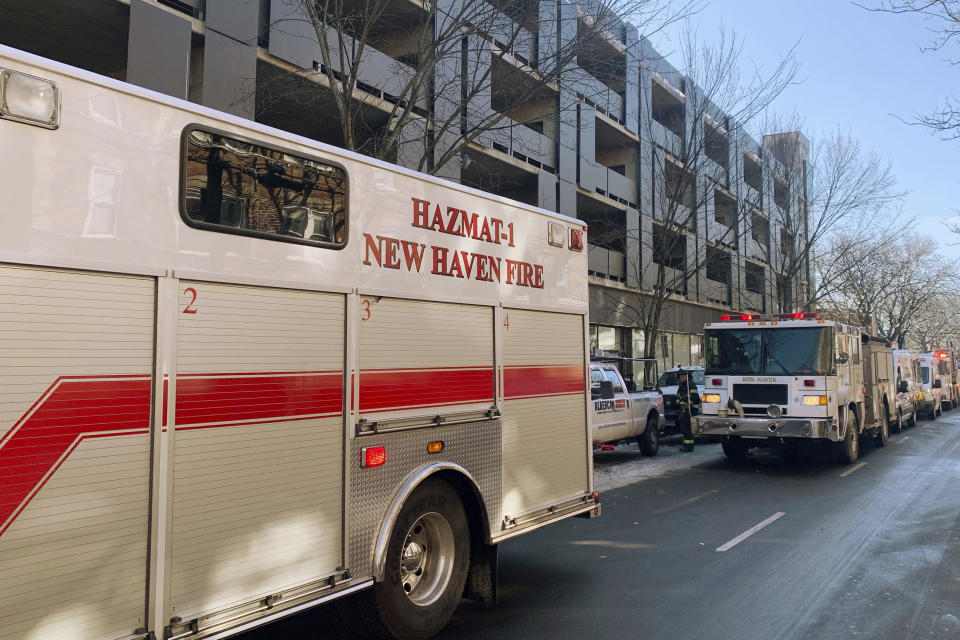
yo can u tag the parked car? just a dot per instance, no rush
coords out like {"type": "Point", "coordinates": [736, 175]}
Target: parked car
{"type": "Point", "coordinates": [618, 414]}
{"type": "Point", "coordinates": [907, 371]}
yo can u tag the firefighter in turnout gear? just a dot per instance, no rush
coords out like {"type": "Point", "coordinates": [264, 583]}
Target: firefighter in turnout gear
{"type": "Point", "coordinates": [689, 402]}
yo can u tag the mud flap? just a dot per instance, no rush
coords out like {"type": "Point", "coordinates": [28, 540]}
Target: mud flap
{"type": "Point", "coordinates": [482, 579]}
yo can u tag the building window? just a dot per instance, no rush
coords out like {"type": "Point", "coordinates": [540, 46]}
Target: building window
{"type": "Point", "coordinates": [725, 213]}
{"type": "Point", "coordinates": [752, 172]}
{"type": "Point", "coordinates": [669, 248]}
{"type": "Point", "coordinates": [678, 187]}
{"type": "Point", "coordinates": [760, 229]}
{"type": "Point", "coordinates": [781, 195]}
{"type": "Point", "coordinates": [239, 186]}
{"type": "Point", "coordinates": [605, 341]}
{"type": "Point", "coordinates": [754, 277]}
{"type": "Point", "coordinates": [667, 107]}
{"type": "Point", "coordinates": [718, 265]}
{"type": "Point", "coordinates": [715, 143]}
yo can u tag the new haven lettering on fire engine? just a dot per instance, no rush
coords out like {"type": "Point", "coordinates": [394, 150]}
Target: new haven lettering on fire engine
{"type": "Point", "coordinates": [236, 364]}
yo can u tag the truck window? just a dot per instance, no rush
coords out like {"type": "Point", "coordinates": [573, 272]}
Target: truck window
{"type": "Point", "coordinates": [612, 376]}
{"type": "Point", "coordinates": [770, 351]}
{"type": "Point", "coordinates": [925, 374]}
{"type": "Point", "coordinates": [243, 187]}
{"type": "Point", "coordinates": [733, 351]}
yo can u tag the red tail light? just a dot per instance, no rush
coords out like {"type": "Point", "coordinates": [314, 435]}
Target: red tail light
{"type": "Point", "coordinates": [576, 240]}
{"type": "Point", "coordinates": [748, 316]}
{"type": "Point", "coordinates": [717, 382]}
{"type": "Point", "coordinates": [809, 383]}
{"type": "Point", "coordinates": [374, 456]}
{"type": "Point", "coordinates": [724, 317]}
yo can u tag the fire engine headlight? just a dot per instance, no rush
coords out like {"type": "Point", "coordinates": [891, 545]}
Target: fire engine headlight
{"type": "Point", "coordinates": [815, 401]}
{"type": "Point", "coordinates": [29, 99]}
{"type": "Point", "coordinates": [711, 397]}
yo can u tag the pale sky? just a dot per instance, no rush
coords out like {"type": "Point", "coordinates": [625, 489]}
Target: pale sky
{"type": "Point", "coordinates": [858, 70]}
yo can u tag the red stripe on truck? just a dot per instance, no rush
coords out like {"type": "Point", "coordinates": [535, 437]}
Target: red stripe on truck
{"type": "Point", "coordinates": [74, 409]}
{"type": "Point", "coordinates": [220, 399]}
{"type": "Point", "coordinates": [543, 380]}
{"type": "Point", "coordinates": [420, 388]}
{"type": "Point", "coordinates": [69, 411]}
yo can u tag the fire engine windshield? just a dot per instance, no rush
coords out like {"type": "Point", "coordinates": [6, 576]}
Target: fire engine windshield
{"type": "Point", "coordinates": [793, 351]}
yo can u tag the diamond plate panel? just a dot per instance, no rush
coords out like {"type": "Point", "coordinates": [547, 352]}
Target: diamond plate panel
{"type": "Point", "coordinates": [476, 447]}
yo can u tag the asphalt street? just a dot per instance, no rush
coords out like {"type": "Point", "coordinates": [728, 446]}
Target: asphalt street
{"type": "Point", "coordinates": [696, 547]}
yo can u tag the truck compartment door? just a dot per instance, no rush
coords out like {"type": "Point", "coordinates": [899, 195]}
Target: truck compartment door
{"type": "Point", "coordinates": [545, 450]}
{"type": "Point", "coordinates": [258, 444]}
{"type": "Point", "coordinates": [76, 358]}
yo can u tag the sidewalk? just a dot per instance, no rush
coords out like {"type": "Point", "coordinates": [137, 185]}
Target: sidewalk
{"type": "Point", "coordinates": [625, 465]}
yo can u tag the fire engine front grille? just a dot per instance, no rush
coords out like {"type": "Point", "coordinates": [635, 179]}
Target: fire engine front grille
{"type": "Point", "coordinates": [764, 394]}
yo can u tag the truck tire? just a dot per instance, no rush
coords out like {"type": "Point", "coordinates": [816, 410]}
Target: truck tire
{"type": "Point", "coordinates": [428, 558]}
{"type": "Point", "coordinates": [848, 449]}
{"type": "Point", "coordinates": [734, 448]}
{"type": "Point", "coordinates": [649, 440]}
{"type": "Point", "coordinates": [898, 425]}
{"type": "Point", "coordinates": [912, 422]}
{"type": "Point", "coordinates": [883, 431]}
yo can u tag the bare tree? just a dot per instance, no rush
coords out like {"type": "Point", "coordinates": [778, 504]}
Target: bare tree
{"type": "Point", "coordinates": [455, 69]}
{"type": "Point", "coordinates": [694, 127]}
{"type": "Point", "coordinates": [943, 16]}
{"type": "Point", "coordinates": [903, 287]}
{"type": "Point", "coordinates": [842, 194]}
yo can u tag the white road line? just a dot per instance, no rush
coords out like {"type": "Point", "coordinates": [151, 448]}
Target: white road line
{"type": "Point", "coordinates": [859, 465]}
{"type": "Point", "coordinates": [749, 532]}
{"type": "Point", "coordinates": [902, 440]}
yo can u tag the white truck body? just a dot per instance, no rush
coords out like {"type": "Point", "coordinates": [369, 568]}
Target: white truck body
{"type": "Point", "coordinates": [937, 382]}
{"type": "Point", "coordinates": [784, 380]}
{"type": "Point", "coordinates": [623, 415]}
{"type": "Point", "coordinates": [907, 377]}
{"type": "Point", "coordinates": [215, 407]}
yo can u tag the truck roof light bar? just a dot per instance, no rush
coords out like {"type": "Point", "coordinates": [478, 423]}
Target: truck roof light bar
{"type": "Point", "coordinates": [779, 316]}
{"type": "Point", "coordinates": [797, 316]}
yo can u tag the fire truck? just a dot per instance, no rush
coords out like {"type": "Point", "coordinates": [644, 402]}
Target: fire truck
{"type": "Point", "coordinates": [794, 378]}
{"type": "Point", "coordinates": [244, 373]}
{"type": "Point", "coordinates": [938, 375]}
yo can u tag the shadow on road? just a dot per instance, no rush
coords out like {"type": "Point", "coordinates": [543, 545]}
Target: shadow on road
{"type": "Point", "coordinates": [812, 460]}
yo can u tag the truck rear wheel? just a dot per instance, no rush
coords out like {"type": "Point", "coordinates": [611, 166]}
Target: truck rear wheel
{"type": "Point", "coordinates": [883, 432]}
{"type": "Point", "coordinates": [849, 448]}
{"type": "Point", "coordinates": [898, 425]}
{"type": "Point", "coordinates": [649, 440]}
{"type": "Point", "coordinates": [428, 557]}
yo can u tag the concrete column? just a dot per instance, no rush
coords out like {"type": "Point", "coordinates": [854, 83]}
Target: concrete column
{"type": "Point", "coordinates": [631, 112]}
{"type": "Point", "coordinates": [634, 248]}
{"type": "Point", "coordinates": [547, 190]}
{"type": "Point", "coordinates": [158, 50]}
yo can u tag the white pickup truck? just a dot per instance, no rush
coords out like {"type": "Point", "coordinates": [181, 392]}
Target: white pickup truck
{"type": "Point", "coordinates": [618, 414]}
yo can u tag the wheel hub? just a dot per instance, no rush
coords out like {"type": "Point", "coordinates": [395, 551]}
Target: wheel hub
{"type": "Point", "coordinates": [426, 559]}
